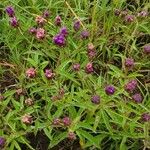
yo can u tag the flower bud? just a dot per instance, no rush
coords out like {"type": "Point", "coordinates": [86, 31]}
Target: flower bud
{"type": "Point", "coordinates": [58, 21]}
{"type": "Point", "coordinates": [10, 11]}
{"type": "Point", "coordinates": [64, 31]}
{"type": "Point", "coordinates": [85, 34]}
{"type": "Point", "coordinates": [147, 49]}
{"type": "Point", "coordinates": [76, 25]}
{"type": "Point", "coordinates": [40, 20]}
{"type": "Point", "coordinates": [71, 136]}
{"type": "Point", "coordinates": [14, 22]}
{"type": "Point", "coordinates": [46, 14]}
{"type": "Point", "coordinates": [131, 86]}
{"type": "Point", "coordinates": [49, 74]}
{"type": "Point", "coordinates": [110, 90]}
{"type": "Point", "coordinates": [95, 99]}
{"type": "Point", "coordinates": [89, 68]}
{"type": "Point", "coordinates": [76, 67]}
{"type": "Point", "coordinates": [129, 63]}
{"type": "Point", "coordinates": [129, 18]}
{"type": "Point", "coordinates": [32, 30]}
{"type": "Point", "coordinates": [56, 121]}
{"type": "Point", "coordinates": [137, 98]}
{"type": "Point", "coordinates": [66, 121]}
{"type": "Point", "coordinates": [27, 119]}
{"type": "Point", "coordinates": [31, 73]}
{"type": "Point", "coordinates": [59, 40]}
{"type": "Point", "coordinates": [145, 117]}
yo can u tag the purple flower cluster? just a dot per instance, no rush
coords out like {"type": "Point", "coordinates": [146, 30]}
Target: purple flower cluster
{"type": "Point", "coordinates": [137, 98]}
{"type": "Point", "coordinates": [129, 63]}
{"type": "Point", "coordinates": [60, 38]}
{"type": "Point", "coordinates": [49, 74]}
{"type": "Point", "coordinates": [145, 117]}
{"type": "Point", "coordinates": [89, 68]}
{"type": "Point", "coordinates": [2, 142]}
{"type": "Point", "coordinates": [110, 90]}
{"type": "Point", "coordinates": [95, 99]}
{"type": "Point", "coordinates": [76, 25]}
{"type": "Point", "coordinates": [131, 86]}
{"type": "Point", "coordinates": [147, 49]}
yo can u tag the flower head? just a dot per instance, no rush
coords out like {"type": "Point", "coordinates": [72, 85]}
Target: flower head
{"type": "Point", "coordinates": [110, 90]}
{"type": "Point", "coordinates": [89, 68]}
{"type": "Point", "coordinates": [147, 49]}
{"type": "Point", "coordinates": [95, 99]}
{"type": "Point", "coordinates": [31, 73]}
{"type": "Point", "coordinates": [64, 31]}
{"type": "Point", "coordinates": [2, 142]}
{"type": "Point", "coordinates": [76, 67]}
{"type": "Point", "coordinates": [32, 30]}
{"type": "Point", "coordinates": [40, 20]}
{"type": "Point", "coordinates": [59, 40]}
{"type": "Point", "coordinates": [145, 117]}
{"type": "Point", "coordinates": [56, 121]}
{"type": "Point", "coordinates": [143, 14]}
{"type": "Point", "coordinates": [85, 34]}
{"type": "Point", "coordinates": [137, 98]}
{"type": "Point", "coordinates": [129, 62]}
{"type": "Point", "coordinates": [27, 119]}
{"type": "Point", "coordinates": [76, 25]}
{"type": "Point", "coordinates": [71, 136]}
{"type": "Point", "coordinates": [40, 33]}
{"type": "Point", "coordinates": [49, 74]}
{"type": "Point", "coordinates": [131, 86]}
{"type": "Point", "coordinates": [58, 21]}
{"type": "Point", "coordinates": [10, 11]}
{"type": "Point", "coordinates": [14, 22]}
{"type": "Point", "coordinates": [129, 18]}
{"type": "Point", "coordinates": [46, 14]}
{"type": "Point", "coordinates": [66, 121]}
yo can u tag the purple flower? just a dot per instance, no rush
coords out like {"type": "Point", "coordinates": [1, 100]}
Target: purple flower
{"type": "Point", "coordinates": [143, 14]}
{"type": "Point", "coordinates": [49, 74]}
{"type": "Point", "coordinates": [58, 20]}
{"type": "Point", "coordinates": [59, 40]}
{"type": "Point", "coordinates": [131, 86]}
{"type": "Point", "coordinates": [46, 14]}
{"type": "Point", "coordinates": [56, 121]}
{"type": "Point", "coordinates": [2, 142]}
{"type": "Point", "coordinates": [40, 33]}
{"type": "Point", "coordinates": [76, 25]}
{"type": "Point", "coordinates": [84, 34]}
{"type": "Point", "coordinates": [110, 90]}
{"type": "Point", "coordinates": [10, 11]}
{"type": "Point", "coordinates": [95, 99]}
{"type": "Point", "coordinates": [89, 68]}
{"type": "Point", "coordinates": [66, 121]}
{"type": "Point", "coordinates": [64, 31]}
{"type": "Point", "coordinates": [137, 98]}
{"type": "Point", "coordinates": [76, 67]}
{"type": "Point", "coordinates": [129, 18]}
{"type": "Point", "coordinates": [14, 22]}
{"type": "Point", "coordinates": [32, 30]}
{"type": "Point", "coordinates": [31, 73]}
{"type": "Point", "coordinates": [71, 136]}
{"type": "Point", "coordinates": [147, 49]}
{"type": "Point", "coordinates": [145, 117]}
{"type": "Point", "coordinates": [129, 62]}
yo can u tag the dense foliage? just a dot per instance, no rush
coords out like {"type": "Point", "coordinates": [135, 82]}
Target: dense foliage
{"type": "Point", "coordinates": [74, 73]}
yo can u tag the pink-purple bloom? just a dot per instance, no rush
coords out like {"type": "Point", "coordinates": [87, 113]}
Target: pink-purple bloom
{"type": "Point", "coordinates": [14, 22]}
{"type": "Point", "coordinates": [58, 21]}
{"type": "Point", "coordinates": [85, 34]}
{"type": "Point", "coordinates": [31, 73]}
{"type": "Point", "coordinates": [129, 18]}
{"type": "Point", "coordinates": [10, 11]}
{"type": "Point", "coordinates": [137, 98]}
{"type": "Point", "coordinates": [147, 49]}
{"type": "Point", "coordinates": [2, 142]}
{"type": "Point", "coordinates": [40, 33]}
{"type": "Point", "coordinates": [145, 117]}
{"type": "Point", "coordinates": [66, 121]}
{"type": "Point", "coordinates": [59, 40]}
{"type": "Point", "coordinates": [76, 67]}
{"type": "Point", "coordinates": [32, 30]}
{"type": "Point", "coordinates": [76, 25]}
{"type": "Point", "coordinates": [95, 99]}
{"type": "Point", "coordinates": [131, 86]}
{"type": "Point", "coordinates": [110, 90]}
{"type": "Point", "coordinates": [89, 68]}
{"type": "Point", "coordinates": [64, 31]}
{"type": "Point", "coordinates": [56, 121]}
{"type": "Point", "coordinates": [143, 14]}
{"type": "Point", "coordinates": [46, 14]}
{"type": "Point", "coordinates": [49, 74]}
{"type": "Point", "coordinates": [129, 62]}
{"type": "Point", "coordinates": [71, 136]}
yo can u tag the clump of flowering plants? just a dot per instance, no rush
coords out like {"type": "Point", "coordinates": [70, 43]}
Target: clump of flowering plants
{"type": "Point", "coordinates": [74, 75]}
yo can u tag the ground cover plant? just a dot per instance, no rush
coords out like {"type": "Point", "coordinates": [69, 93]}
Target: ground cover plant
{"type": "Point", "coordinates": [74, 74]}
